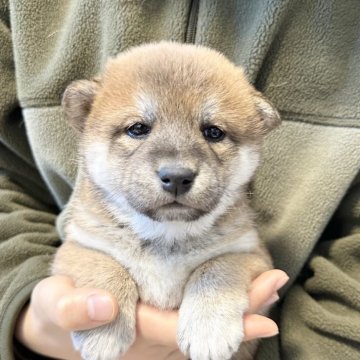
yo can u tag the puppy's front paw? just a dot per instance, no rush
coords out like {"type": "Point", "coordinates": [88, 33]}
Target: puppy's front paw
{"type": "Point", "coordinates": [106, 342]}
{"type": "Point", "coordinates": [210, 330]}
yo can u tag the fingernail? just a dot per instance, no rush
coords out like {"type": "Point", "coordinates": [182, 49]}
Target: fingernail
{"type": "Point", "coordinates": [274, 298]}
{"type": "Point", "coordinates": [281, 282]}
{"type": "Point", "coordinates": [270, 333]}
{"type": "Point", "coordinates": [100, 308]}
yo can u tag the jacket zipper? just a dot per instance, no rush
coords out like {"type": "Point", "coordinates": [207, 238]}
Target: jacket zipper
{"type": "Point", "coordinates": [192, 23]}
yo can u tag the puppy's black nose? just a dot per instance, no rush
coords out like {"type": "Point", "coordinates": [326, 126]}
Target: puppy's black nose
{"type": "Point", "coordinates": [176, 180]}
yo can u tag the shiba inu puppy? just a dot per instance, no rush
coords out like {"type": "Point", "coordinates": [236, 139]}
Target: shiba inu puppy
{"type": "Point", "coordinates": [169, 140]}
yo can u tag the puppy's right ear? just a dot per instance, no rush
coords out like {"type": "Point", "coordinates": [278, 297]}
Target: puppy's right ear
{"type": "Point", "coordinates": [77, 101]}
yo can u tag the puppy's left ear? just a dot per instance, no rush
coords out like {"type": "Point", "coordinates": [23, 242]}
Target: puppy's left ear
{"type": "Point", "coordinates": [77, 101]}
{"type": "Point", "coordinates": [268, 114]}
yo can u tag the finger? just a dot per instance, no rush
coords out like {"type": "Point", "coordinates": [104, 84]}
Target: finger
{"type": "Point", "coordinates": [257, 326]}
{"type": "Point", "coordinates": [156, 325]}
{"type": "Point", "coordinates": [264, 289]}
{"type": "Point", "coordinates": [56, 300]}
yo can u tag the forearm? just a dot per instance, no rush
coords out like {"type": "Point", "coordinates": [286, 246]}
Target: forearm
{"type": "Point", "coordinates": [27, 242]}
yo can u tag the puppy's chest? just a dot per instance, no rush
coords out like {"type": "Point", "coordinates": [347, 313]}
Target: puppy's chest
{"type": "Point", "coordinates": [160, 273]}
{"type": "Point", "coordinates": [159, 270]}
{"type": "Point", "coordinates": [160, 281]}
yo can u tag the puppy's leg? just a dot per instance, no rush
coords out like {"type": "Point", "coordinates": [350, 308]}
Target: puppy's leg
{"type": "Point", "coordinates": [215, 299]}
{"type": "Point", "coordinates": [90, 268]}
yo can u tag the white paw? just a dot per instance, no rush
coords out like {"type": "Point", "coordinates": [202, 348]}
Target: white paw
{"type": "Point", "coordinates": [210, 332]}
{"type": "Point", "coordinates": [106, 342]}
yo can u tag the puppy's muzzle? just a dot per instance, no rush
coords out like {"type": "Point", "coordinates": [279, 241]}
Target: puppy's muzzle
{"type": "Point", "coordinates": [176, 180]}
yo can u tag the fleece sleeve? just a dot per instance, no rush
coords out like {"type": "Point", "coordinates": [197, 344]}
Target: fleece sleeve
{"type": "Point", "coordinates": [27, 232]}
{"type": "Point", "coordinates": [321, 314]}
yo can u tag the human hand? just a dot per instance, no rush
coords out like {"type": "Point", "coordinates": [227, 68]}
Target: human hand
{"type": "Point", "coordinates": [263, 293]}
{"type": "Point", "coordinates": [57, 308]}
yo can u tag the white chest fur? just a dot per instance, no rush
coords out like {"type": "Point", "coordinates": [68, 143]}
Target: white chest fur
{"type": "Point", "coordinates": [160, 279]}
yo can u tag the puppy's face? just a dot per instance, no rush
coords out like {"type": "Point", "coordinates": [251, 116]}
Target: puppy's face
{"type": "Point", "coordinates": [169, 130]}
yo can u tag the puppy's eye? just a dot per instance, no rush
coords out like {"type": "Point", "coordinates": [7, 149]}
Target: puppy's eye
{"type": "Point", "coordinates": [213, 133]}
{"type": "Point", "coordinates": [138, 130]}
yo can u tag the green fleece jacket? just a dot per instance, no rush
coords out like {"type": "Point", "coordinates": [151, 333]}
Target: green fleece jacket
{"type": "Point", "coordinates": [303, 54]}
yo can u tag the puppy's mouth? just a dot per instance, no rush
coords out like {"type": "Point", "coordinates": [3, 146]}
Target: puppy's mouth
{"type": "Point", "coordinates": [175, 211]}
{"type": "Point", "coordinates": [174, 205]}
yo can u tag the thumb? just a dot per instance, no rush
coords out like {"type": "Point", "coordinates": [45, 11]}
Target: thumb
{"type": "Point", "coordinates": [56, 300]}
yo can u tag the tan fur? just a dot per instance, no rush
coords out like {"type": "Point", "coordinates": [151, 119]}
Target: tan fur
{"type": "Point", "coordinates": [125, 234]}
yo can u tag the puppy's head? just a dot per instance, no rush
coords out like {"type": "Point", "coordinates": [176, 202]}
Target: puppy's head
{"type": "Point", "coordinates": [169, 130]}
